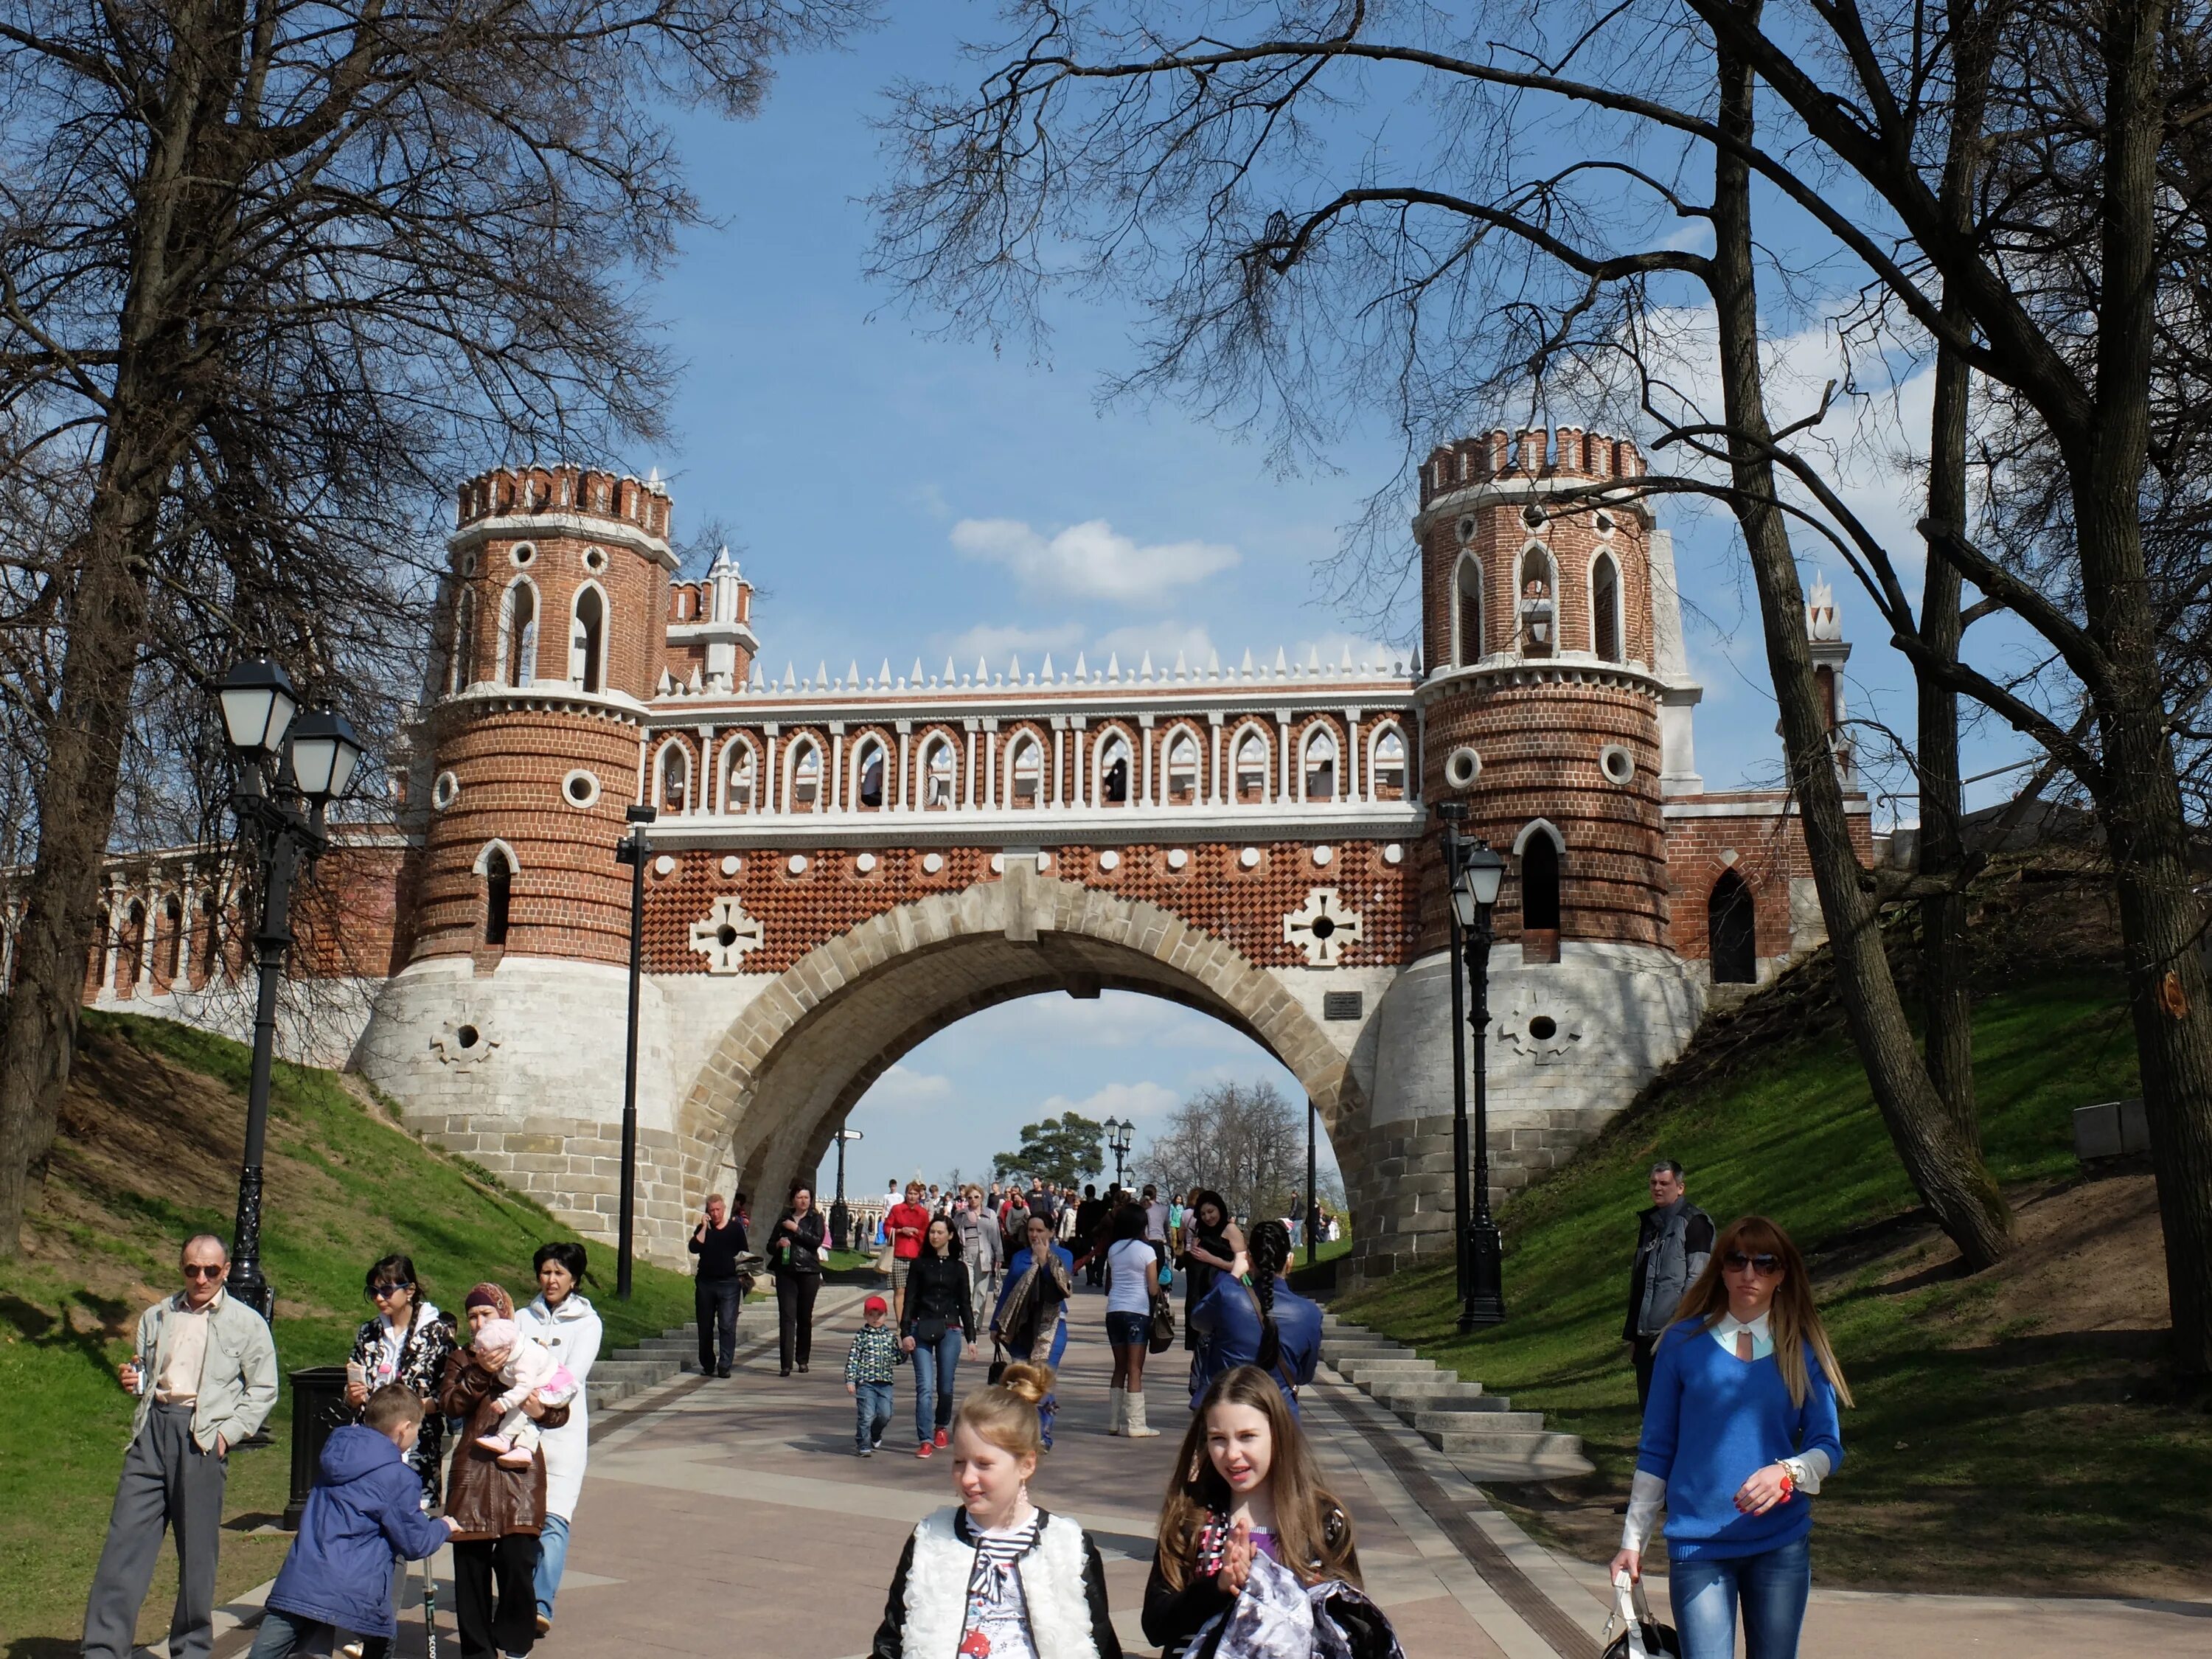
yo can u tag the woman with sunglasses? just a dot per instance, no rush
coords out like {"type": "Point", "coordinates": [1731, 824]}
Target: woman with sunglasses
{"type": "Point", "coordinates": [407, 1341]}
{"type": "Point", "coordinates": [1741, 1431]}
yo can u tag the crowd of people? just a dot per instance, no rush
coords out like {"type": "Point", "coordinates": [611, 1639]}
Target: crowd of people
{"type": "Point", "coordinates": [487, 1429]}
{"type": "Point", "coordinates": [507, 1478]}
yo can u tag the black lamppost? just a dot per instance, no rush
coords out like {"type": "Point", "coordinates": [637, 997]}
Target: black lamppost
{"type": "Point", "coordinates": [288, 772]}
{"type": "Point", "coordinates": [1118, 1138]}
{"type": "Point", "coordinates": [1313, 1204]}
{"type": "Point", "coordinates": [1474, 871]}
{"type": "Point", "coordinates": [631, 851]}
{"type": "Point", "coordinates": [840, 1216]}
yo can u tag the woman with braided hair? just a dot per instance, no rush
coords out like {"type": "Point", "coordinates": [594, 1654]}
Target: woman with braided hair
{"type": "Point", "coordinates": [1252, 1317]}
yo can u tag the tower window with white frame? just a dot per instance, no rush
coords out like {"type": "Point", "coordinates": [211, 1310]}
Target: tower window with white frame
{"type": "Point", "coordinates": [1605, 609]}
{"type": "Point", "coordinates": [461, 670]}
{"type": "Point", "coordinates": [743, 777]}
{"type": "Point", "coordinates": [673, 787]}
{"type": "Point", "coordinates": [587, 633]}
{"type": "Point", "coordinates": [518, 634]}
{"type": "Point", "coordinates": [805, 776]}
{"type": "Point", "coordinates": [1114, 772]}
{"type": "Point", "coordinates": [1467, 611]}
{"type": "Point", "coordinates": [1183, 769]}
{"type": "Point", "coordinates": [868, 795]}
{"type": "Point", "coordinates": [1538, 605]}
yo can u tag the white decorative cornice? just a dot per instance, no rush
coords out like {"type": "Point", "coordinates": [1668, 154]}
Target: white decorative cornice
{"type": "Point", "coordinates": [527, 526]}
{"type": "Point", "coordinates": [1569, 668]}
{"type": "Point", "coordinates": [557, 697]}
{"type": "Point", "coordinates": [1614, 495]}
{"type": "Point", "coordinates": [1049, 826]}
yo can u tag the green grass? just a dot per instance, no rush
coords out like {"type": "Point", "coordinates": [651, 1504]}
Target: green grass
{"type": "Point", "coordinates": [345, 1185]}
{"type": "Point", "coordinates": [1985, 1452]}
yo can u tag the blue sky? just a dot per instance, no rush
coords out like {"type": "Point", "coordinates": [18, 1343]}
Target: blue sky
{"type": "Point", "coordinates": [896, 496]}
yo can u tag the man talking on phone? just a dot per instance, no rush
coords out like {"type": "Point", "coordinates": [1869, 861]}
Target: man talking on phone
{"type": "Point", "coordinates": [205, 1374]}
{"type": "Point", "coordinates": [718, 1241]}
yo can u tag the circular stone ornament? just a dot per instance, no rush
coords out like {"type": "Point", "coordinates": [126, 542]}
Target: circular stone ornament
{"type": "Point", "coordinates": [1462, 767]}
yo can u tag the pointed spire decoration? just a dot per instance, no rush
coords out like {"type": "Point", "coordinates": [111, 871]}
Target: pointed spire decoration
{"type": "Point", "coordinates": [1348, 656]}
{"type": "Point", "coordinates": [853, 675]}
{"type": "Point", "coordinates": [916, 680]}
{"type": "Point", "coordinates": [1182, 667]}
{"type": "Point", "coordinates": [721, 560]}
{"type": "Point", "coordinates": [1145, 669]}
{"type": "Point", "coordinates": [654, 483]}
{"type": "Point", "coordinates": [1213, 663]}
{"type": "Point", "coordinates": [982, 671]}
{"type": "Point", "coordinates": [822, 674]}
{"type": "Point", "coordinates": [760, 679]}
{"type": "Point", "coordinates": [1046, 670]}
{"type": "Point", "coordinates": [1417, 662]}
{"type": "Point", "coordinates": [1313, 659]}
{"type": "Point", "coordinates": [1014, 670]}
{"type": "Point", "coordinates": [884, 676]}
{"type": "Point", "coordinates": [1113, 664]}
{"type": "Point", "coordinates": [790, 676]}
{"type": "Point", "coordinates": [1082, 673]}
{"type": "Point", "coordinates": [951, 674]}
{"type": "Point", "coordinates": [1282, 663]}
{"type": "Point", "coordinates": [1247, 669]}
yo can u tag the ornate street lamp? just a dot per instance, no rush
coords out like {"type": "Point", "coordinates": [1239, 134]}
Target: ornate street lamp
{"type": "Point", "coordinates": [631, 850]}
{"type": "Point", "coordinates": [289, 771]}
{"type": "Point", "coordinates": [841, 1217]}
{"type": "Point", "coordinates": [1119, 1137]}
{"type": "Point", "coordinates": [1475, 872]}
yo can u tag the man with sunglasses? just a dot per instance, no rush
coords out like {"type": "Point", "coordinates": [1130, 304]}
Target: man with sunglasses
{"type": "Point", "coordinates": [1674, 1240]}
{"type": "Point", "coordinates": [205, 1371]}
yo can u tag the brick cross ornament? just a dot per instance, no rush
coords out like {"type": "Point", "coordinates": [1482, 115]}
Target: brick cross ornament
{"type": "Point", "coordinates": [1321, 928]}
{"type": "Point", "coordinates": [725, 935]}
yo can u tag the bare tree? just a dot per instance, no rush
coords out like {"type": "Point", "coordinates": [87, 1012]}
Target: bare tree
{"type": "Point", "coordinates": [271, 275]}
{"type": "Point", "coordinates": [1242, 1139]}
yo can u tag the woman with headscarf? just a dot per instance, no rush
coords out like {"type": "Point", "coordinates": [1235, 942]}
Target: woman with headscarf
{"type": "Point", "coordinates": [1031, 1323]}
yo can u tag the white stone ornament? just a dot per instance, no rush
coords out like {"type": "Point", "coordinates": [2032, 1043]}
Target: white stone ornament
{"type": "Point", "coordinates": [1321, 855]}
{"type": "Point", "coordinates": [724, 936]}
{"type": "Point", "coordinates": [932, 863]}
{"type": "Point", "coordinates": [1110, 860]}
{"type": "Point", "coordinates": [664, 865]}
{"type": "Point", "coordinates": [1321, 928]}
{"type": "Point", "coordinates": [462, 1042]}
{"type": "Point", "coordinates": [1249, 857]}
{"type": "Point", "coordinates": [732, 864]}
{"type": "Point", "coordinates": [796, 864]}
{"type": "Point", "coordinates": [865, 863]}
{"type": "Point", "coordinates": [1394, 854]}
{"type": "Point", "coordinates": [1177, 859]}
{"type": "Point", "coordinates": [1541, 1025]}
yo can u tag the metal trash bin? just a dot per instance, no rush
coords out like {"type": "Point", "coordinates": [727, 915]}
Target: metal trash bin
{"type": "Point", "coordinates": [319, 1405]}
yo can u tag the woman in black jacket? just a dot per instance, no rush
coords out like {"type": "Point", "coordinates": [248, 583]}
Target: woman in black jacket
{"type": "Point", "coordinates": [795, 1254]}
{"type": "Point", "coordinates": [935, 1314]}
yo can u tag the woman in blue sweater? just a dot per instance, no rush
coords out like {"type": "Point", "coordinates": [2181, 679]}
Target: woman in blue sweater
{"type": "Point", "coordinates": [1738, 1434]}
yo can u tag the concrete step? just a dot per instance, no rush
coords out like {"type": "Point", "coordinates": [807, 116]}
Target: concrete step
{"type": "Point", "coordinates": [1532, 1445]}
{"type": "Point", "coordinates": [1440, 1393]}
{"type": "Point", "coordinates": [1487, 1425]}
{"type": "Point", "coordinates": [1365, 1372]}
{"type": "Point", "coordinates": [1353, 1341]}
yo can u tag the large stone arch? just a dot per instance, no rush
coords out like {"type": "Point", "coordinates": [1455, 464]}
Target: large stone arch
{"type": "Point", "coordinates": [804, 1050]}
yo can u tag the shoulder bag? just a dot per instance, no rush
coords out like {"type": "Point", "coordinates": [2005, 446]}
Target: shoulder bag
{"type": "Point", "coordinates": [1162, 1334]}
{"type": "Point", "coordinates": [998, 1373]}
{"type": "Point", "coordinates": [1641, 1636]}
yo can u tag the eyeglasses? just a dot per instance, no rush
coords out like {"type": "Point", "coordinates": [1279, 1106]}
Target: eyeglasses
{"type": "Point", "coordinates": [377, 1292]}
{"type": "Point", "coordinates": [193, 1271]}
{"type": "Point", "coordinates": [1765, 1266]}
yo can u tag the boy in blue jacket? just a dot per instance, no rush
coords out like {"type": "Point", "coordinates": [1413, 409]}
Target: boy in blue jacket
{"type": "Point", "coordinates": [367, 1507]}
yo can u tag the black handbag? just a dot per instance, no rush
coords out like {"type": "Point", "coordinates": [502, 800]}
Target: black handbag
{"type": "Point", "coordinates": [997, 1372]}
{"type": "Point", "coordinates": [1162, 1334]}
{"type": "Point", "coordinates": [1642, 1636]}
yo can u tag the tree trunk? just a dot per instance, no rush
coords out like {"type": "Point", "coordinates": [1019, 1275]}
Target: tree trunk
{"type": "Point", "coordinates": [1944, 1166]}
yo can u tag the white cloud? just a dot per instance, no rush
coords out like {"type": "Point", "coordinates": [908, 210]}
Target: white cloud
{"type": "Point", "coordinates": [1165, 640]}
{"type": "Point", "coordinates": [901, 1089]}
{"type": "Point", "coordinates": [1091, 560]}
{"type": "Point", "coordinates": [1333, 645]}
{"type": "Point", "coordinates": [1117, 1100]}
{"type": "Point", "coordinates": [995, 643]}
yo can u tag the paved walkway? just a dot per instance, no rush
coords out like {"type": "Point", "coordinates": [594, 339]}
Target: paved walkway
{"type": "Point", "coordinates": [732, 1517]}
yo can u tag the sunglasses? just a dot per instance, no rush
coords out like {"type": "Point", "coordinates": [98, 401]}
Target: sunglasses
{"type": "Point", "coordinates": [194, 1271]}
{"type": "Point", "coordinates": [377, 1292]}
{"type": "Point", "coordinates": [1765, 1266]}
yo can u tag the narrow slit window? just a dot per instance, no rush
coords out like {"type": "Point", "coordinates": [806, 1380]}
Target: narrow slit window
{"type": "Point", "coordinates": [1605, 609]}
{"type": "Point", "coordinates": [499, 893]}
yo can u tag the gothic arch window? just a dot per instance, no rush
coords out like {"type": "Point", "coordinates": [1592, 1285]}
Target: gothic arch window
{"type": "Point", "coordinates": [1317, 765]}
{"type": "Point", "coordinates": [1386, 764]}
{"type": "Point", "coordinates": [461, 666]}
{"type": "Point", "coordinates": [210, 952]}
{"type": "Point", "coordinates": [518, 634]}
{"type": "Point", "coordinates": [1113, 763]}
{"type": "Point", "coordinates": [1823, 678]}
{"type": "Point", "coordinates": [131, 960]}
{"type": "Point", "coordinates": [870, 770]}
{"type": "Point", "coordinates": [1732, 931]}
{"type": "Point", "coordinates": [740, 775]}
{"type": "Point", "coordinates": [1540, 858]}
{"type": "Point", "coordinates": [939, 776]}
{"type": "Point", "coordinates": [95, 955]}
{"type": "Point", "coordinates": [170, 959]}
{"type": "Point", "coordinates": [587, 636]}
{"type": "Point", "coordinates": [1183, 767]}
{"type": "Point", "coordinates": [805, 771]}
{"type": "Point", "coordinates": [1605, 609]}
{"type": "Point", "coordinates": [1024, 772]}
{"type": "Point", "coordinates": [1248, 767]}
{"type": "Point", "coordinates": [1536, 603]}
{"type": "Point", "coordinates": [1466, 610]}
{"type": "Point", "coordinates": [672, 778]}
{"type": "Point", "coordinates": [496, 864]}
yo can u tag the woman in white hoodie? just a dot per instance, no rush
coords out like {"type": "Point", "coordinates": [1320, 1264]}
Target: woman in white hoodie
{"type": "Point", "coordinates": [566, 1325]}
{"type": "Point", "coordinates": [994, 1577]}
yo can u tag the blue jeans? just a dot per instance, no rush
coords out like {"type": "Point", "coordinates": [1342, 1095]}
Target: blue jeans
{"type": "Point", "coordinates": [1771, 1588]}
{"type": "Point", "coordinates": [284, 1634]}
{"type": "Point", "coordinates": [552, 1557]}
{"type": "Point", "coordinates": [871, 1413]}
{"type": "Point", "coordinates": [934, 1365]}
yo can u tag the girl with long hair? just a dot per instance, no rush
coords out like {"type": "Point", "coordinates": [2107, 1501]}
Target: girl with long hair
{"type": "Point", "coordinates": [994, 1577]}
{"type": "Point", "coordinates": [1031, 1321]}
{"type": "Point", "coordinates": [1741, 1431]}
{"type": "Point", "coordinates": [934, 1317]}
{"type": "Point", "coordinates": [1132, 1281]}
{"type": "Point", "coordinates": [1252, 1317]}
{"type": "Point", "coordinates": [794, 1252]}
{"type": "Point", "coordinates": [1245, 1491]}
{"type": "Point", "coordinates": [1212, 1244]}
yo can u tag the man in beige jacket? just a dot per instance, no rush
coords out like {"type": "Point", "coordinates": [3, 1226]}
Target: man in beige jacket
{"type": "Point", "coordinates": [205, 1371]}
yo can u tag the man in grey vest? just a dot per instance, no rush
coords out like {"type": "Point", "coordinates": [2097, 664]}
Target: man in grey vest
{"type": "Point", "coordinates": [1672, 1241]}
{"type": "Point", "coordinates": [205, 1374]}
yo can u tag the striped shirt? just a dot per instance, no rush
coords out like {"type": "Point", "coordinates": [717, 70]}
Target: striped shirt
{"type": "Point", "coordinates": [997, 1624]}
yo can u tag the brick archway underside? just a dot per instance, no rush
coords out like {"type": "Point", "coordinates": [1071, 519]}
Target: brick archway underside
{"type": "Point", "coordinates": [795, 1063]}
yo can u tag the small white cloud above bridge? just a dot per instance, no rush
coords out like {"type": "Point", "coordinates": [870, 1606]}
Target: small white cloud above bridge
{"type": "Point", "coordinates": [1091, 560]}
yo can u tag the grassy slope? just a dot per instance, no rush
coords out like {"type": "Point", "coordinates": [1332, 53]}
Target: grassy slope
{"type": "Point", "coordinates": [149, 1154]}
{"type": "Point", "coordinates": [1987, 1451]}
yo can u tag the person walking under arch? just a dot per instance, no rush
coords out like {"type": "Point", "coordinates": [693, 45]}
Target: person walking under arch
{"type": "Point", "coordinates": [1211, 1245]}
{"type": "Point", "coordinates": [1031, 1321]}
{"type": "Point", "coordinates": [1247, 1516]}
{"type": "Point", "coordinates": [795, 1254]}
{"type": "Point", "coordinates": [716, 1291]}
{"type": "Point", "coordinates": [1740, 1432]}
{"type": "Point", "coordinates": [1256, 1318]}
{"type": "Point", "coordinates": [935, 1315]}
{"type": "Point", "coordinates": [995, 1577]}
{"type": "Point", "coordinates": [1132, 1284]}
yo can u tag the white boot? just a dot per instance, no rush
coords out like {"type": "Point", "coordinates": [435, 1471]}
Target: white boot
{"type": "Point", "coordinates": [1119, 1418]}
{"type": "Point", "coordinates": [1138, 1429]}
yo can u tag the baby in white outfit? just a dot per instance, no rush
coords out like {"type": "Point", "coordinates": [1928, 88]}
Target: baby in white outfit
{"type": "Point", "coordinates": [526, 1369]}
